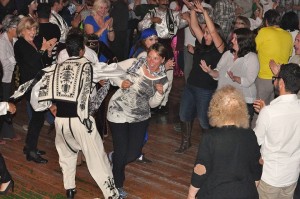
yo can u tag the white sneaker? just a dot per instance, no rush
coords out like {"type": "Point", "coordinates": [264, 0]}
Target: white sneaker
{"type": "Point", "coordinates": [122, 192]}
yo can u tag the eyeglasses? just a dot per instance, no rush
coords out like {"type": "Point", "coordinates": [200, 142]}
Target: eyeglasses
{"type": "Point", "coordinates": [274, 78]}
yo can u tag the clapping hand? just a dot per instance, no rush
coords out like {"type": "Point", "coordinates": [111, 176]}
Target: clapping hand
{"type": "Point", "coordinates": [108, 23]}
{"type": "Point", "coordinates": [48, 45]}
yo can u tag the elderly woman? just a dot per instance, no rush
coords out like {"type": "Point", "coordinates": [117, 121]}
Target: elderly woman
{"type": "Point", "coordinates": [239, 66]}
{"type": "Point", "coordinates": [227, 163]}
{"type": "Point", "coordinates": [7, 59]}
{"type": "Point", "coordinates": [100, 23]}
{"type": "Point", "coordinates": [29, 50]}
{"type": "Point", "coordinates": [129, 108]}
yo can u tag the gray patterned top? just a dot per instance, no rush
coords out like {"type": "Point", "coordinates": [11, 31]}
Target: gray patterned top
{"type": "Point", "coordinates": [133, 104]}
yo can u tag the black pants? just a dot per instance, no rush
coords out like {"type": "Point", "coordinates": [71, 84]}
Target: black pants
{"type": "Point", "coordinates": [297, 190]}
{"type": "Point", "coordinates": [128, 140]}
{"type": "Point", "coordinates": [250, 112]}
{"type": "Point", "coordinates": [34, 128]}
{"type": "Point", "coordinates": [4, 174]}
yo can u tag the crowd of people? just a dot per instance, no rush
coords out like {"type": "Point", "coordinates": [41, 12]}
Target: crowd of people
{"type": "Point", "coordinates": [79, 63]}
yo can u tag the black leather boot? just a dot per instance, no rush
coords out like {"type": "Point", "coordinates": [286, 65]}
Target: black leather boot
{"type": "Point", "coordinates": [185, 137]}
{"type": "Point", "coordinates": [70, 193]}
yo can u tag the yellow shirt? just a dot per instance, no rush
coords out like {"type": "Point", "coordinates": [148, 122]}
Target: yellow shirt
{"type": "Point", "coordinates": [272, 43]}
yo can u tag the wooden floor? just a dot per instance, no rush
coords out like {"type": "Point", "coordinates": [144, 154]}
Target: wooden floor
{"type": "Point", "coordinates": [168, 176]}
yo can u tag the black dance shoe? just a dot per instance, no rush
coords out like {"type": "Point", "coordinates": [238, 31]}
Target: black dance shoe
{"type": "Point", "coordinates": [143, 159]}
{"type": "Point", "coordinates": [32, 156]}
{"type": "Point", "coordinates": [11, 186]}
{"type": "Point", "coordinates": [38, 152]}
{"type": "Point", "coordinates": [70, 193]}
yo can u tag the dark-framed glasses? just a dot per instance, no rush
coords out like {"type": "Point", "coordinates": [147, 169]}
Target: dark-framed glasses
{"type": "Point", "coordinates": [274, 78]}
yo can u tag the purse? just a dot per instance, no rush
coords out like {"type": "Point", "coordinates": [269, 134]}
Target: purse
{"type": "Point", "coordinates": [100, 48]}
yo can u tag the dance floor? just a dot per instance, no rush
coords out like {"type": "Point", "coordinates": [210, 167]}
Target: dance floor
{"type": "Point", "coordinates": [168, 176]}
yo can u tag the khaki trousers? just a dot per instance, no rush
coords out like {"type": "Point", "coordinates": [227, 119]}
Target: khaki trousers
{"type": "Point", "coordinates": [72, 136]}
{"type": "Point", "coordinates": [267, 191]}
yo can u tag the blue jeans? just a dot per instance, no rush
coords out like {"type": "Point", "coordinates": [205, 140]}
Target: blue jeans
{"type": "Point", "coordinates": [194, 103]}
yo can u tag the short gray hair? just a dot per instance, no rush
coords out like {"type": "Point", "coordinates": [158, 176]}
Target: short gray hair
{"type": "Point", "coordinates": [10, 21]}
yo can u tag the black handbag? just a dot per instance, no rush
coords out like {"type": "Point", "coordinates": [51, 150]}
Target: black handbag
{"type": "Point", "coordinates": [101, 48]}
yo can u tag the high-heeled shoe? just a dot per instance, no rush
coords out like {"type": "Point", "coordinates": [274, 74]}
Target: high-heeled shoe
{"type": "Point", "coordinates": [11, 186]}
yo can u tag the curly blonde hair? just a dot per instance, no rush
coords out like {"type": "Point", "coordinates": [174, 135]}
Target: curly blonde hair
{"type": "Point", "coordinates": [228, 106]}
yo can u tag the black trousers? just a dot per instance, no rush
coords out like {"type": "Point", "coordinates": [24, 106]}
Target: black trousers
{"type": "Point", "coordinates": [128, 140]}
{"type": "Point", "coordinates": [34, 128]}
{"type": "Point", "coordinates": [4, 174]}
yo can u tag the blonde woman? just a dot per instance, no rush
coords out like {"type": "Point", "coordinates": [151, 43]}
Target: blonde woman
{"type": "Point", "coordinates": [29, 50]}
{"type": "Point", "coordinates": [227, 164]}
{"type": "Point", "coordinates": [100, 23]}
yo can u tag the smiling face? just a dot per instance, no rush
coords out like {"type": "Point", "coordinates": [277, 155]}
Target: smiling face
{"type": "Point", "coordinates": [154, 60]}
{"type": "Point", "coordinates": [149, 41]}
{"type": "Point", "coordinates": [102, 10]}
{"type": "Point", "coordinates": [297, 44]}
{"type": "Point", "coordinates": [29, 33]}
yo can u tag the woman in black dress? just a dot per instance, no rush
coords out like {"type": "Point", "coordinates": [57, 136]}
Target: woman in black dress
{"type": "Point", "coordinates": [227, 164]}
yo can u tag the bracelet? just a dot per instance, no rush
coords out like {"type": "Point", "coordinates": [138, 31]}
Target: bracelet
{"type": "Point", "coordinates": [41, 51]}
{"type": "Point", "coordinates": [111, 30]}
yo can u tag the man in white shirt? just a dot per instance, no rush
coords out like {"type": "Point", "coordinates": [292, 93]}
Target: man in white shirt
{"type": "Point", "coordinates": [55, 18]}
{"type": "Point", "coordinates": [278, 132]}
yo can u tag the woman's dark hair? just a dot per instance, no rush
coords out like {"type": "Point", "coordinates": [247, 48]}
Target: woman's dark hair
{"type": "Point", "coordinates": [74, 43]}
{"type": "Point", "coordinates": [245, 20]}
{"type": "Point", "coordinates": [245, 40]}
{"type": "Point", "coordinates": [205, 48]}
{"type": "Point", "coordinates": [139, 44]}
{"type": "Point", "coordinates": [160, 49]}
{"type": "Point", "coordinates": [290, 21]}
